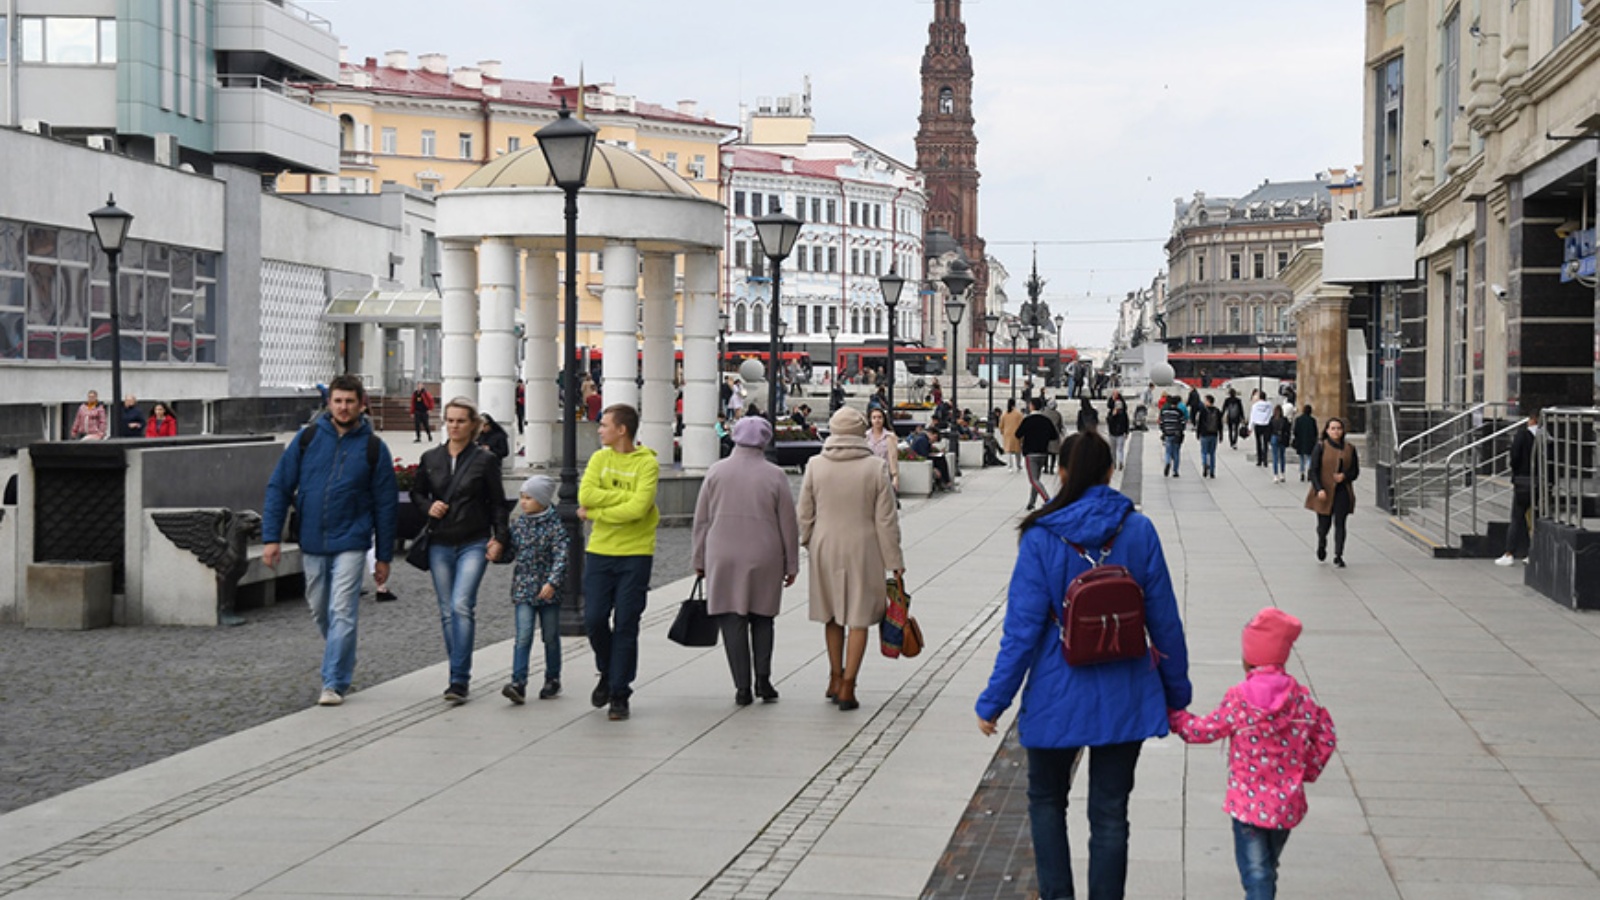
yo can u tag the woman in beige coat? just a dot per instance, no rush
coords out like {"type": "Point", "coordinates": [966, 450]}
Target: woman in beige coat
{"type": "Point", "coordinates": [1008, 435]}
{"type": "Point", "coordinates": [849, 523]}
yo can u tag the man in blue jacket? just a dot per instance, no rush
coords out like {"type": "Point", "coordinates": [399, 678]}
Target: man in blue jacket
{"type": "Point", "coordinates": [345, 494]}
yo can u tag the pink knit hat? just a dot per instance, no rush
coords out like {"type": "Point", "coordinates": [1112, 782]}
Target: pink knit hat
{"type": "Point", "coordinates": [1269, 637]}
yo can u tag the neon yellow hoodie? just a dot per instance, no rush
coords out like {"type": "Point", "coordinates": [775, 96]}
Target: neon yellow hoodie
{"type": "Point", "coordinates": [619, 492]}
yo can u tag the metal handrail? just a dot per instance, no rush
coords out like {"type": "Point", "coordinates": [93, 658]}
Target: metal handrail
{"type": "Point", "coordinates": [1567, 464]}
{"type": "Point", "coordinates": [1412, 476]}
{"type": "Point", "coordinates": [1449, 467]}
{"type": "Point", "coordinates": [1400, 447]}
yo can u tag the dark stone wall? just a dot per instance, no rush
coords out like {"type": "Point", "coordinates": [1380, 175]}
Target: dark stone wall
{"type": "Point", "coordinates": [231, 476]}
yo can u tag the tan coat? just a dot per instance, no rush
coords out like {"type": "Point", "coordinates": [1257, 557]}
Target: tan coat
{"type": "Point", "coordinates": [849, 523]}
{"type": "Point", "coordinates": [1009, 420]}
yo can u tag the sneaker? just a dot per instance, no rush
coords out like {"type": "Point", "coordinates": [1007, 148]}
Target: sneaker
{"type": "Point", "coordinates": [330, 697]}
{"type": "Point", "coordinates": [1338, 562]}
{"type": "Point", "coordinates": [552, 687]}
{"type": "Point", "coordinates": [619, 710]}
{"type": "Point", "coordinates": [1166, 470]}
{"type": "Point", "coordinates": [1506, 560]}
{"type": "Point", "coordinates": [456, 693]}
{"type": "Point", "coordinates": [515, 693]}
{"type": "Point", "coordinates": [601, 695]}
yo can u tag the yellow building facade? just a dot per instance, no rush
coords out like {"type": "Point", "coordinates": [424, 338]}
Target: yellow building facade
{"type": "Point", "coordinates": [428, 126]}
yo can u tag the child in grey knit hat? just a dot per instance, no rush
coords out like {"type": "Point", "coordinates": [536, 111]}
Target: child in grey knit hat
{"type": "Point", "coordinates": [540, 542]}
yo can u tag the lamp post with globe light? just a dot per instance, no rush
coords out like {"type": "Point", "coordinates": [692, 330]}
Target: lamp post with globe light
{"type": "Point", "coordinates": [1014, 327]}
{"type": "Point", "coordinates": [777, 233]}
{"type": "Point", "coordinates": [991, 324]}
{"type": "Point", "coordinates": [958, 280]}
{"type": "Point", "coordinates": [891, 285]}
{"type": "Point", "coordinates": [833, 368]}
{"type": "Point", "coordinates": [568, 147]}
{"type": "Point", "coordinates": [1060, 321]}
{"type": "Point", "coordinates": [111, 224]}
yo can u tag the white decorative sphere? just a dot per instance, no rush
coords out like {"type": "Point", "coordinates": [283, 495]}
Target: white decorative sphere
{"type": "Point", "coordinates": [753, 370]}
{"type": "Point", "coordinates": [1162, 375]}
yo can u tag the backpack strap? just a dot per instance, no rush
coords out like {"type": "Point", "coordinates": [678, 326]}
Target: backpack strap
{"type": "Point", "coordinates": [1106, 550]}
{"type": "Point", "coordinates": [310, 431]}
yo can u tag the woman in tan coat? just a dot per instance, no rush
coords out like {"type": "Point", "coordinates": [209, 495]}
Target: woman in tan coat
{"type": "Point", "coordinates": [1334, 468]}
{"type": "Point", "coordinates": [849, 523]}
{"type": "Point", "coordinates": [1008, 435]}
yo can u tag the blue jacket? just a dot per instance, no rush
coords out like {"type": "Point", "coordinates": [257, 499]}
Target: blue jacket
{"type": "Point", "coordinates": [1089, 706]}
{"type": "Point", "coordinates": [342, 504]}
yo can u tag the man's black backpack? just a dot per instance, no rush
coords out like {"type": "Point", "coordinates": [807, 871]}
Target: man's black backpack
{"type": "Point", "coordinates": [291, 526]}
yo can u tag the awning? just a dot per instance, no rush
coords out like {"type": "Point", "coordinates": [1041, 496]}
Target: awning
{"type": "Point", "coordinates": [398, 309]}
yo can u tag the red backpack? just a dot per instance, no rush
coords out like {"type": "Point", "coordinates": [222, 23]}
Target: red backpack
{"type": "Point", "coordinates": [1103, 614]}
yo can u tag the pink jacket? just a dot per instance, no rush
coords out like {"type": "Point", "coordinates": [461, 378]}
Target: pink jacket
{"type": "Point", "coordinates": [1279, 739]}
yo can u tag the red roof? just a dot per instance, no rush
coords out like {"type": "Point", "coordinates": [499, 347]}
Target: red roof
{"type": "Point", "coordinates": [750, 159]}
{"type": "Point", "coordinates": [547, 94]}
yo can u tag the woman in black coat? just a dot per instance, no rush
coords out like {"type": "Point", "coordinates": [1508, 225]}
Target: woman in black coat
{"type": "Point", "coordinates": [494, 438]}
{"type": "Point", "coordinates": [1305, 438]}
{"type": "Point", "coordinates": [459, 485]}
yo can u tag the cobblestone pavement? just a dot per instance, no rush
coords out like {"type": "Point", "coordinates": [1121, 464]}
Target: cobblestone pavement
{"type": "Point", "coordinates": [131, 696]}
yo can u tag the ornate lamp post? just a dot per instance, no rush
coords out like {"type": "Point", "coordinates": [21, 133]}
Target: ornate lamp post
{"type": "Point", "coordinates": [957, 281]}
{"type": "Point", "coordinates": [568, 146]}
{"type": "Point", "coordinates": [1060, 320]}
{"type": "Point", "coordinates": [833, 366]}
{"type": "Point", "coordinates": [777, 233]}
{"type": "Point", "coordinates": [111, 224]}
{"type": "Point", "coordinates": [891, 285]}
{"type": "Point", "coordinates": [1015, 328]}
{"type": "Point", "coordinates": [991, 324]}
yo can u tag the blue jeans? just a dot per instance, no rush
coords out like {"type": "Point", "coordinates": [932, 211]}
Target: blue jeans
{"type": "Point", "coordinates": [1172, 449]}
{"type": "Point", "coordinates": [333, 591]}
{"type": "Point", "coordinates": [1110, 782]}
{"type": "Point", "coordinates": [1278, 462]}
{"type": "Point", "coordinates": [548, 617]}
{"type": "Point", "coordinates": [1256, 850]}
{"type": "Point", "coordinates": [614, 589]}
{"type": "Point", "coordinates": [1305, 464]}
{"type": "Point", "coordinates": [456, 572]}
{"type": "Point", "coordinates": [1208, 453]}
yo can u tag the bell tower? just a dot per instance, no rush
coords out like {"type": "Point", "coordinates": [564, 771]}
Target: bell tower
{"type": "Point", "coordinates": [947, 147]}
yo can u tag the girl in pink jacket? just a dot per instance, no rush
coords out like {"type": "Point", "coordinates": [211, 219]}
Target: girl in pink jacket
{"type": "Point", "coordinates": [1279, 739]}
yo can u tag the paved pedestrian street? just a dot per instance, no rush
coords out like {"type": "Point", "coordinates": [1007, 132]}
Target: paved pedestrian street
{"type": "Point", "coordinates": [1465, 703]}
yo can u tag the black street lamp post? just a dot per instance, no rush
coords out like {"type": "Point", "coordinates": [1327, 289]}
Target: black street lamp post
{"type": "Point", "coordinates": [722, 343]}
{"type": "Point", "coordinates": [111, 224]}
{"type": "Point", "coordinates": [1015, 328]}
{"type": "Point", "coordinates": [834, 391]}
{"type": "Point", "coordinates": [957, 281]}
{"type": "Point", "coordinates": [991, 324]}
{"type": "Point", "coordinates": [777, 233]}
{"type": "Point", "coordinates": [1060, 321]}
{"type": "Point", "coordinates": [891, 285]}
{"type": "Point", "coordinates": [568, 147]}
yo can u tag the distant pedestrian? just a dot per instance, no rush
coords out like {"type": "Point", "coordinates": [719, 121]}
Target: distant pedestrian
{"type": "Point", "coordinates": [132, 418]}
{"type": "Point", "coordinates": [1054, 415]}
{"type": "Point", "coordinates": [1522, 463]}
{"type": "Point", "coordinates": [849, 524]}
{"type": "Point", "coordinates": [747, 547]}
{"type": "Point", "coordinates": [1009, 441]}
{"type": "Point", "coordinates": [1233, 414]}
{"type": "Point", "coordinates": [1088, 416]}
{"type": "Point", "coordinates": [1279, 740]}
{"type": "Point", "coordinates": [343, 505]}
{"type": "Point", "coordinates": [618, 494]}
{"type": "Point", "coordinates": [421, 414]}
{"type": "Point", "coordinates": [522, 406]}
{"type": "Point", "coordinates": [1109, 709]}
{"type": "Point", "coordinates": [162, 423]}
{"type": "Point", "coordinates": [1037, 433]}
{"type": "Point", "coordinates": [1117, 426]}
{"type": "Point", "coordinates": [1335, 466]}
{"type": "Point", "coordinates": [458, 485]}
{"type": "Point", "coordinates": [540, 544]}
{"type": "Point", "coordinates": [1305, 438]}
{"type": "Point", "coordinates": [1194, 405]}
{"type": "Point", "coordinates": [1260, 417]}
{"type": "Point", "coordinates": [885, 443]}
{"type": "Point", "coordinates": [492, 437]}
{"type": "Point", "coordinates": [1279, 433]}
{"type": "Point", "coordinates": [92, 421]}
{"type": "Point", "coordinates": [1208, 428]}
{"type": "Point", "coordinates": [1172, 422]}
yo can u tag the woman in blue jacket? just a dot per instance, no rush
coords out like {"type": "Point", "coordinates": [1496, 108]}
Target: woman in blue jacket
{"type": "Point", "coordinates": [1112, 707]}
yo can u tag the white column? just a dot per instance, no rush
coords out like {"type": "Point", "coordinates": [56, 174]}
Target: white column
{"type": "Point", "coordinates": [497, 343]}
{"type": "Point", "coordinates": [700, 396]}
{"type": "Point", "coordinates": [660, 323]}
{"type": "Point", "coordinates": [619, 317]}
{"type": "Point", "coordinates": [542, 365]}
{"type": "Point", "coordinates": [458, 357]}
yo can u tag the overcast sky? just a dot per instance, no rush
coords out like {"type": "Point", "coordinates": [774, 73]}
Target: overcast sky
{"type": "Point", "coordinates": [1092, 116]}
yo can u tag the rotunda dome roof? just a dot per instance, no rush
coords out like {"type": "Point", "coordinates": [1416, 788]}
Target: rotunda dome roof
{"type": "Point", "coordinates": [612, 168]}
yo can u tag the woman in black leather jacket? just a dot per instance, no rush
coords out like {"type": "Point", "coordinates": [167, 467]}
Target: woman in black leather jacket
{"type": "Point", "coordinates": [459, 485]}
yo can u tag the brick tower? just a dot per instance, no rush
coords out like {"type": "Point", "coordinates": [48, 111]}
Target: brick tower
{"type": "Point", "coordinates": [947, 147]}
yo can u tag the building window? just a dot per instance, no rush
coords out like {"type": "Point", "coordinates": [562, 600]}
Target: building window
{"type": "Point", "coordinates": [877, 216]}
{"type": "Point", "coordinates": [513, 144]}
{"type": "Point", "coordinates": [1258, 318]}
{"type": "Point", "coordinates": [816, 319]}
{"type": "Point", "coordinates": [739, 321]}
{"type": "Point", "coordinates": [1258, 265]}
{"type": "Point", "coordinates": [816, 259]}
{"type": "Point", "coordinates": [672, 160]}
{"type": "Point", "coordinates": [1569, 15]}
{"type": "Point", "coordinates": [854, 210]}
{"type": "Point", "coordinates": [759, 319]}
{"type": "Point", "coordinates": [855, 321]}
{"type": "Point", "coordinates": [697, 169]}
{"type": "Point", "coordinates": [816, 209]}
{"type": "Point", "coordinates": [428, 142]}
{"type": "Point", "coordinates": [833, 259]}
{"type": "Point", "coordinates": [739, 254]}
{"type": "Point", "coordinates": [1197, 319]}
{"type": "Point", "coordinates": [1200, 266]}
{"type": "Point", "coordinates": [1283, 261]}
{"type": "Point", "coordinates": [1449, 84]}
{"type": "Point", "coordinates": [855, 262]}
{"type": "Point", "coordinates": [464, 140]}
{"type": "Point", "coordinates": [1234, 266]}
{"type": "Point", "coordinates": [738, 203]}
{"type": "Point", "coordinates": [1283, 319]}
{"type": "Point", "coordinates": [1391, 102]}
{"type": "Point", "coordinates": [800, 257]}
{"type": "Point", "coordinates": [833, 316]}
{"type": "Point", "coordinates": [69, 41]}
{"type": "Point", "coordinates": [389, 141]}
{"type": "Point", "coordinates": [1235, 322]}
{"type": "Point", "coordinates": [947, 101]}
{"type": "Point", "coordinates": [833, 212]}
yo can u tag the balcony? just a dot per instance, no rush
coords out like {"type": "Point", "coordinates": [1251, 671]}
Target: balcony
{"type": "Point", "coordinates": [278, 39]}
{"type": "Point", "coordinates": [265, 125]}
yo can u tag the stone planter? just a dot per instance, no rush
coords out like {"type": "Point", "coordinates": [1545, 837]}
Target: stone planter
{"type": "Point", "coordinates": [972, 454]}
{"type": "Point", "coordinates": [916, 477]}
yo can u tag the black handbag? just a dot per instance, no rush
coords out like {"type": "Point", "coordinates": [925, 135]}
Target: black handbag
{"type": "Point", "coordinates": [417, 552]}
{"type": "Point", "coordinates": [693, 626]}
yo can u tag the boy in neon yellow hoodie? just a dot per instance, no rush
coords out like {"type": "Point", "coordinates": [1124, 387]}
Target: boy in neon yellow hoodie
{"type": "Point", "coordinates": [617, 494]}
